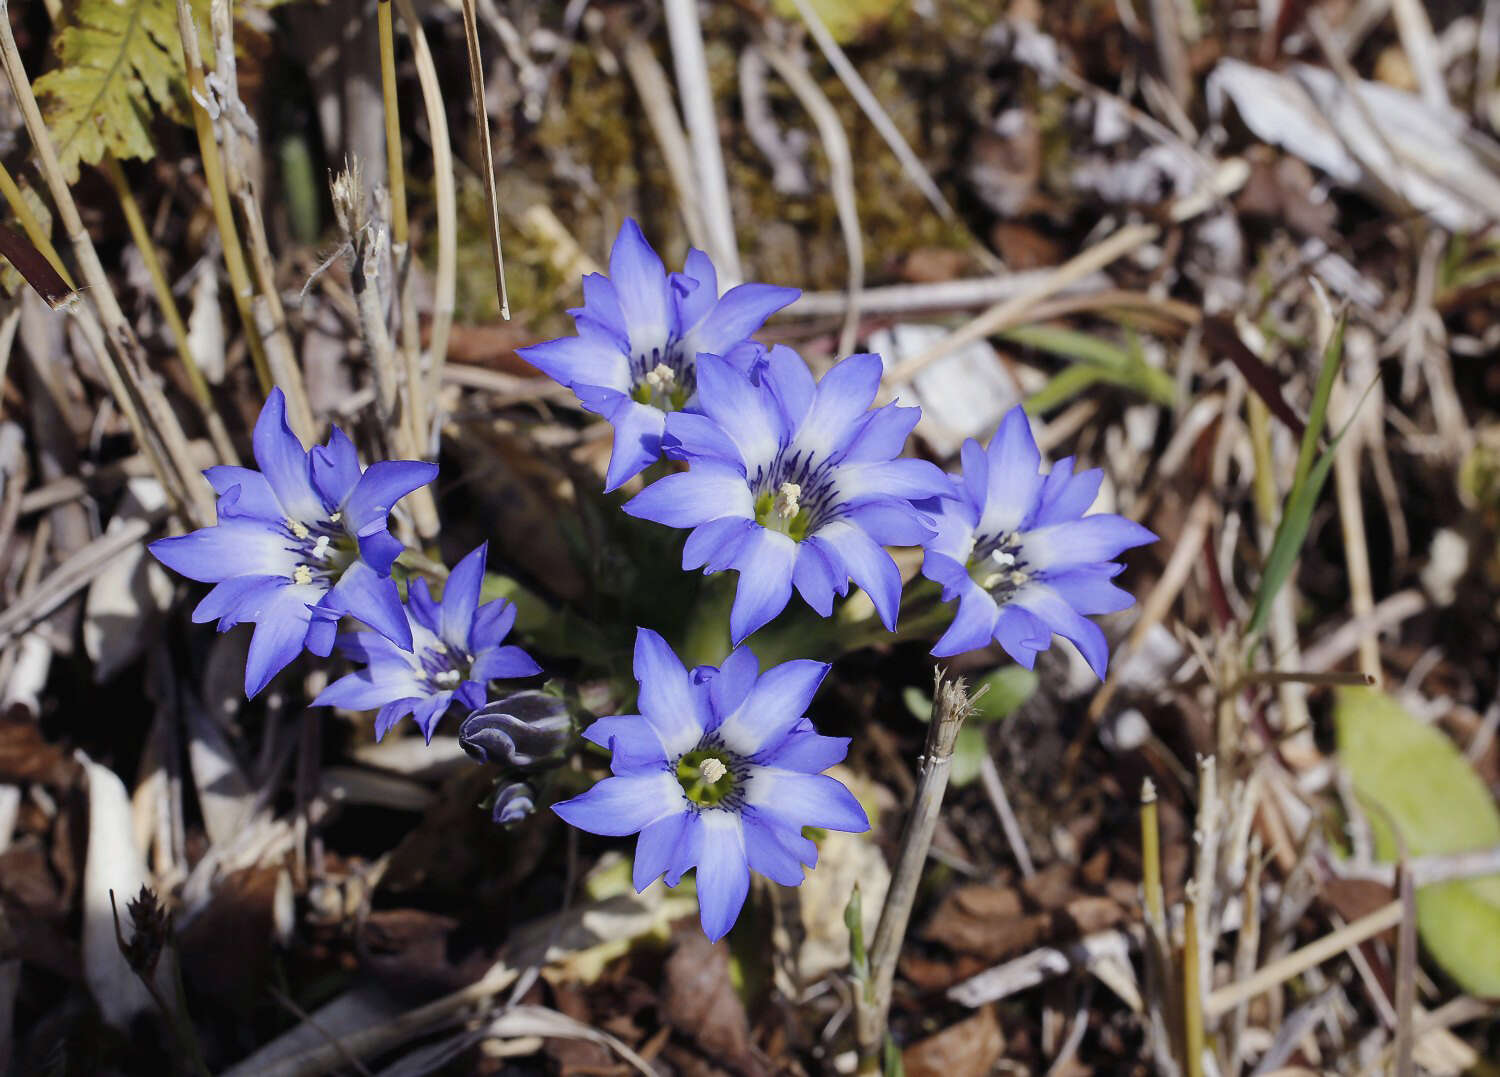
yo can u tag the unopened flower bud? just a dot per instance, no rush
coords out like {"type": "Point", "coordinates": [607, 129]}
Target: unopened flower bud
{"type": "Point", "coordinates": [513, 802]}
{"type": "Point", "coordinates": [521, 730]}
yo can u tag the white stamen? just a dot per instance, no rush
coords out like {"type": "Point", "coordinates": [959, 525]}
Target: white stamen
{"type": "Point", "coordinates": [302, 574]}
{"type": "Point", "coordinates": [336, 517]}
{"type": "Point", "coordinates": [447, 679]}
{"type": "Point", "coordinates": [787, 501]}
{"type": "Point", "coordinates": [320, 548]}
{"type": "Point", "coordinates": [297, 529]}
{"type": "Point", "coordinates": [1003, 558]}
{"type": "Point", "coordinates": [662, 378]}
{"type": "Point", "coordinates": [712, 770]}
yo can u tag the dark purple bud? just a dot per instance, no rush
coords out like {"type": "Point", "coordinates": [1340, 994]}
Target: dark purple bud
{"type": "Point", "coordinates": [521, 730]}
{"type": "Point", "coordinates": [513, 803]}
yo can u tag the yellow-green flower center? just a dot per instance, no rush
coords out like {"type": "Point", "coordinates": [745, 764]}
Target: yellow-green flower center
{"type": "Point", "coordinates": [781, 510]}
{"type": "Point", "coordinates": [706, 776]}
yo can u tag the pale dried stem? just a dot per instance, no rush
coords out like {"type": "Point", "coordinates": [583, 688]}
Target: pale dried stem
{"type": "Point", "coordinates": [1299, 961]}
{"type": "Point", "coordinates": [1406, 973]}
{"type": "Point", "coordinates": [487, 154]}
{"type": "Point", "coordinates": [951, 706]}
{"type": "Point", "coordinates": [655, 92]}
{"type": "Point", "coordinates": [1352, 520]}
{"type": "Point", "coordinates": [695, 92]}
{"type": "Point", "coordinates": [1247, 949]}
{"type": "Point", "coordinates": [1014, 311]}
{"type": "Point", "coordinates": [1161, 993]}
{"type": "Point", "coordinates": [401, 252]}
{"type": "Point", "coordinates": [840, 176]}
{"type": "Point", "coordinates": [1192, 988]}
{"type": "Point", "coordinates": [445, 282]}
{"type": "Point", "coordinates": [240, 286]}
{"type": "Point", "coordinates": [135, 388]}
{"type": "Point", "coordinates": [989, 776]}
{"type": "Point", "coordinates": [281, 357]}
{"type": "Point", "coordinates": [213, 422]}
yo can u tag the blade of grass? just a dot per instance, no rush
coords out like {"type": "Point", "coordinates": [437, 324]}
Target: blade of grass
{"type": "Point", "coordinates": [1307, 484]}
{"type": "Point", "coordinates": [1112, 363]}
{"type": "Point", "coordinates": [487, 155]}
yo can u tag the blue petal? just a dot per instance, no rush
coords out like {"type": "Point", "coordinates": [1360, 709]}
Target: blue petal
{"type": "Point", "coordinates": [765, 853]}
{"type": "Point", "coordinates": [774, 706]}
{"type": "Point", "coordinates": [893, 523]}
{"type": "Point", "coordinates": [360, 691]}
{"type": "Point", "coordinates": [661, 845]}
{"type": "Point", "coordinates": [791, 383]}
{"type": "Point", "coordinates": [379, 550]}
{"type": "Point", "coordinates": [493, 623]}
{"type": "Point", "coordinates": [419, 601]}
{"type": "Point", "coordinates": [700, 267]}
{"type": "Point", "coordinates": [503, 663]}
{"type": "Point", "coordinates": [1021, 634]}
{"type": "Point", "coordinates": [764, 560]}
{"type": "Point", "coordinates": [631, 739]}
{"type": "Point", "coordinates": [624, 804]}
{"type": "Point", "coordinates": [868, 565]}
{"type": "Point", "coordinates": [277, 640]}
{"type": "Point", "coordinates": [976, 474]}
{"type": "Point", "coordinates": [1052, 610]}
{"type": "Point", "coordinates": [740, 312]}
{"type": "Point", "coordinates": [843, 396]}
{"type": "Point", "coordinates": [1102, 537]}
{"type": "Point", "coordinates": [243, 492]}
{"type": "Point", "coordinates": [392, 713]}
{"type": "Point", "coordinates": [382, 485]}
{"type": "Point", "coordinates": [1089, 590]}
{"type": "Point", "coordinates": [795, 800]}
{"type": "Point", "coordinates": [707, 491]}
{"type": "Point", "coordinates": [816, 580]}
{"type": "Point", "coordinates": [1015, 479]}
{"type": "Point", "coordinates": [713, 546]}
{"type": "Point", "coordinates": [322, 630]}
{"type": "Point", "coordinates": [733, 681]}
{"type": "Point", "coordinates": [580, 360]}
{"type": "Point", "coordinates": [692, 436]}
{"type": "Point", "coordinates": [640, 282]}
{"type": "Point", "coordinates": [883, 435]}
{"type": "Point", "coordinates": [373, 599]}
{"type": "Point", "coordinates": [335, 467]}
{"type": "Point", "coordinates": [239, 546]}
{"type": "Point", "coordinates": [238, 599]}
{"type": "Point", "coordinates": [461, 599]}
{"type": "Point", "coordinates": [905, 478]}
{"type": "Point", "coordinates": [601, 309]}
{"type": "Point", "coordinates": [973, 625]}
{"type": "Point", "coordinates": [283, 461]}
{"type": "Point", "coordinates": [668, 699]}
{"type": "Point", "coordinates": [429, 712]}
{"type": "Point", "coordinates": [638, 429]}
{"type": "Point", "coordinates": [807, 751]}
{"type": "Point", "coordinates": [746, 412]}
{"type": "Point", "coordinates": [723, 872]}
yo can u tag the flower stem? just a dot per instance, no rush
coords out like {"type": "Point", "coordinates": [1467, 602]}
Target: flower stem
{"type": "Point", "coordinates": [951, 704]}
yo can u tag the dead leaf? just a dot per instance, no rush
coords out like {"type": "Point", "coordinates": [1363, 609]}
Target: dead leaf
{"type": "Point", "coordinates": [700, 1002]}
{"type": "Point", "coordinates": [986, 920]}
{"type": "Point", "coordinates": [968, 1049]}
{"type": "Point", "coordinates": [126, 601]}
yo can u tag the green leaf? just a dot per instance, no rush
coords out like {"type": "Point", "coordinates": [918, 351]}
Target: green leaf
{"type": "Point", "coordinates": [968, 753]}
{"type": "Point", "coordinates": [1009, 687]}
{"type": "Point", "coordinates": [1096, 360]}
{"type": "Point", "coordinates": [1416, 783]}
{"type": "Point", "coordinates": [1307, 484]}
{"type": "Point", "coordinates": [854, 920]}
{"type": "Point", "coordinates": [120, 64]}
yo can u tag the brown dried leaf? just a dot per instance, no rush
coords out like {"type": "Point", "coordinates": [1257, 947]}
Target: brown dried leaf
{"type": "Point", "coordinates": [967, 1049]}
{"type": "Point", "coordinates": [700, 1002]}
{"type": "Point", "coordinates": [985, 920]}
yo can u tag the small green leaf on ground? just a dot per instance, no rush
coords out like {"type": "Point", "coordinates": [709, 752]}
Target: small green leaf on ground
{"type": "Point", "coordinates": [1413, 780]}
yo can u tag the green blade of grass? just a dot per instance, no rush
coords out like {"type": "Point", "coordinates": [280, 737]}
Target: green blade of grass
{"type": "Point", "coordinates": [1096, 359]}
{"type": "Point", "coordinates": [1307, 484]}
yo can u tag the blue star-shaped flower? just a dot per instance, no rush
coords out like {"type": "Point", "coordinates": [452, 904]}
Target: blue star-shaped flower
{"type": "Point", "coordinates": [720, 771]}
{"type": "Point", "coordinates": [1016, 550]}
{"type": "Point", "coordinates": [640, 331]}
{"type": "Point", "coordinates": [299, 543]}
{"type": "Point", "coordinates": [793, 483]}
{"type": "Point", "coordinates": [456, 650]}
